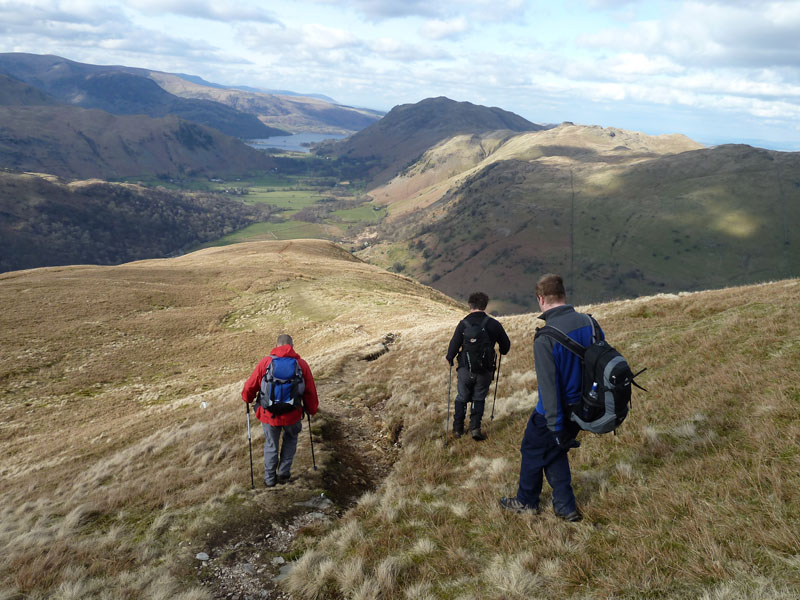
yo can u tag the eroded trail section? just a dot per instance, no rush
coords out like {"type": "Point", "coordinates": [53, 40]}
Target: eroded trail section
{"type": "Point", "coordinates": [251, 550]}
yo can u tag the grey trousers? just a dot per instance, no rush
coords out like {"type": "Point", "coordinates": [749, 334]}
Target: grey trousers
{"type": "Point", "coordinates": [279, 462]}
{"type": "Point", "coordinates": [471, 388]}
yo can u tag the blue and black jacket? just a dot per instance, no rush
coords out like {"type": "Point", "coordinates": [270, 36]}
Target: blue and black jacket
{"type": "Point", "coordinates": [558, 370]}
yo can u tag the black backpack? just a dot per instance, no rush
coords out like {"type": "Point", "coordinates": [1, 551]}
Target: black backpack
{"type": "Point", "coordinates": [477, 349]}
{"type": "Point", "coordinates": [606, 382]}
{"type": "Point", "coordinates": [282, 386]}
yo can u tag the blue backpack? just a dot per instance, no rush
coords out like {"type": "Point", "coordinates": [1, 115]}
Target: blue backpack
{"type": "Point", "coordinates": [282, 386]}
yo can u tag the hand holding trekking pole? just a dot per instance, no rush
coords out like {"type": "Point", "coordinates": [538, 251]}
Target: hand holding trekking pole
{"type": "Point", "coordinates": [496, 382]}
{"type": "Point", "coordinates": [250, 445]}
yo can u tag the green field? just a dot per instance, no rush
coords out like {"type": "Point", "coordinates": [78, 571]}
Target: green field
{"type": "Point", "coordinates": [284, 230]}
{"type": "Point", "coordinates": [335, 210]}
{"type": "Point", "coordinates": [285, 200]}
{"type": "Point", "coordinates": [364, 214]}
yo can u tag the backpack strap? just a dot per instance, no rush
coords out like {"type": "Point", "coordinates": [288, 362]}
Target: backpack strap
{"type": "Point", "coordinates": [595, 327]}
{"type": "Point", "coordinates": [563, 339]}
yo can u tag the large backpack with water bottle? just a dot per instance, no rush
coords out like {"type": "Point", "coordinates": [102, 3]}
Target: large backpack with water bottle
{"type": "Point", "coordinates": [606, 381]}
{"type": "Point", "coordinates": [282, 386]}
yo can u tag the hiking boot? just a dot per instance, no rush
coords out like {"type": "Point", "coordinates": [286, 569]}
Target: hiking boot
{"type": "Point", "coordinates": [269, 483]}
{"type": "Point", "coordinates": [284, 478]}
{"type": "Point", "coordinates": [458, 431]}
{"type": "Point", "coordinates": [478, 435]}
{"type": "Point", "coordinates": [515, 505]}
{"type": "Point", "coordinates": [572, 517]}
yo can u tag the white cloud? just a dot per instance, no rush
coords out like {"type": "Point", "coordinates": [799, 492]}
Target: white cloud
{"type": "Point", "coordinates": [214, 10]}
{"type": "Point", "coordinates": [713, 34]}
{"type": "Point", "coordinates": [437, 29]}
{"type": "Point", "coordinates": [327, 38]}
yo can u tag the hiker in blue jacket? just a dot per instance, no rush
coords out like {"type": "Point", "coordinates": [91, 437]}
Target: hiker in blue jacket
{"type": "Point", "coordinates": [475, 373]}
{"type": "Point", "coordinates": [550, 432]}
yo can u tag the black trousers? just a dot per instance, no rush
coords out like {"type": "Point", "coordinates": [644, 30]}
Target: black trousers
{"type": "Point", "coordinates": [472, 387]}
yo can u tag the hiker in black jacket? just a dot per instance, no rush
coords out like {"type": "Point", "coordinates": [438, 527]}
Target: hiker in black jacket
{"type": "Point", "coordinates": [476, 362]}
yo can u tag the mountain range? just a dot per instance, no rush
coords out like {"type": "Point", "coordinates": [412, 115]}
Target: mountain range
{"type": "Point", "coordinates": [408, 130]}
{"type": "Point", "coordinates": [128, 90]}
{"type": "Point", "coordinates": [619, 213]}
{"type": "Point", "coordinates": [124, 91]}
{"type": "Point", "coordinates": [477, 197]}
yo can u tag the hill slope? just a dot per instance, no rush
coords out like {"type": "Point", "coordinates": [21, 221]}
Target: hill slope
{"type": "Point", "coordinates": [124, 91]}
{"type": "Point", "coordinates": [122, 357]}
{"type": "Point", "coordinates": [16, 93]}
{"type": "Point", "coordinates": [408, 130]}
{"type": "Point", "coordinates": [697, 497]}
{"type": "Point", "coordinates": [80, 143]}
{"type": "Point", "coordinates": [47, 223]}
{"type": "Point", "coordinates": [619, 214]}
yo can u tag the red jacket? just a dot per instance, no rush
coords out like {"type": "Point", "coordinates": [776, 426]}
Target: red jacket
{"type": "Point", "coordinates": [253, 384]}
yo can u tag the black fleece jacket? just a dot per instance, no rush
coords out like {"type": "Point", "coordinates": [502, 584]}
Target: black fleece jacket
{"type": "Point", "coordinates": [494, 330]}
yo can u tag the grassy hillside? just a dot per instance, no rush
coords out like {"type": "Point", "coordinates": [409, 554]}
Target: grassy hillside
{"type": "Point", "coordinates": [16, 93]}
{"type": "Point", "coordinates": [78, 143]}
{"type": "Point", "coordinates": [619, 214]}
{"type": "Point", "coordinates": [124, 450]}
{"type": "Point", "coordinates": [698, 495]}
{"type": "Point", "coordinates": [44, 222]}
{"type": "Point", "coordinates": [408, 130]}
{"type": "Point", "coordinates": [113, 475]}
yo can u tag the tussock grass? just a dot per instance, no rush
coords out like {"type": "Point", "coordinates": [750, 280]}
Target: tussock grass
{"type": "Point", "coordinates": [112, 474]}
{"type": "Point", "coordinates": [697, 496]}
{"type": "Point", "coordinates": [110, 468]}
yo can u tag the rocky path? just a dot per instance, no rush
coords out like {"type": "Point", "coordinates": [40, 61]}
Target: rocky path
{"type": "Point", "coordinates": [247, 560]}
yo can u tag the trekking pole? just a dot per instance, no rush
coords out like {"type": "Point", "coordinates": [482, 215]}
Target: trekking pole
{"type": "Point", "coordinates": [250, 445]}
{"type": "Point", "coordinates": [311, 439]}
{"type": "Point", "coordinates": [447, 422]}
{"type": "Point", "coordinates": [496, 382]}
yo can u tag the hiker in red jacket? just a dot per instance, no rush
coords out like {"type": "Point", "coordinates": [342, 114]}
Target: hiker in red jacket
{"type": "Point", "coordinates": [278, 462]}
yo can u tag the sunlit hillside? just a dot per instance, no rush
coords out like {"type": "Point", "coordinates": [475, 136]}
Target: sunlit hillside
{"type": "Point", "coordinates": [697, 496]}
{"type": "Point", "coordinates": [620, 213]}
{"type": "Point", "coordinates": [125, 456]}
{"type": "Point", "coordinates": [112, 471]}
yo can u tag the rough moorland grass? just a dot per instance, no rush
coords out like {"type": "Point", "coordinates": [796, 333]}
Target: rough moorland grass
{"type": "Point", "coordinates": [111, 471]}
{"type": "Point", "coordinates": [696, 497]}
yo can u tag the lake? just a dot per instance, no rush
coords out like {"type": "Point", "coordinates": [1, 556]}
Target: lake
{"type": "Point", "coordinates": [294, 143]}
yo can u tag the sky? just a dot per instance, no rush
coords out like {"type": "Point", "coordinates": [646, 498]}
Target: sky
{"type": "Point", "coordinates": [716, 71]}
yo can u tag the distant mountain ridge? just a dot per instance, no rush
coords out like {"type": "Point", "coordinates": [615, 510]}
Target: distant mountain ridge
{"type": "Point", "coordinates": [247, 88]}
{"type": "Point", "coordinates": [294, 113]}
{"type": "Point", "coordinates": [408, 130]}
{"type": "Point", "coordinates": [124, 91]}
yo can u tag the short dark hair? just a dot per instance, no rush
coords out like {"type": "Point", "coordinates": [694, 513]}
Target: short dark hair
{"type": "Point", "coordinates": [285, 339]}
{"type": "Point", "coordinates": [478, 300]}
{"type": "Point", "coordinates": [551, 286]}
